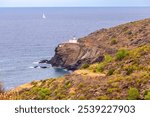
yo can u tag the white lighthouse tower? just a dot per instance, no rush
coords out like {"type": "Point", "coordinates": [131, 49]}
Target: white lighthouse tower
{"type": "Point", "coordinates": [74, 40]}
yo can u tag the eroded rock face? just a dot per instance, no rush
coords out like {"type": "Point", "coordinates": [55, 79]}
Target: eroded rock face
{"type": "Point", "coordinates": [66, 55]}
{"type": "Point", "coordinates": [71, 55]}
{"type": "Point", "coordinates": [93, 47]}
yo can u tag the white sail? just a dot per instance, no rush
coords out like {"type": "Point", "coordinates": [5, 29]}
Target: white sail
{"type": "Point", "coordinates": [44, 17]}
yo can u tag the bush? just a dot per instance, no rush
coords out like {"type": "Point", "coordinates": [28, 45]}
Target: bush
{"type": "Point", "coordinates": [80, 85]}
{"type": "Point", "coordinates": [108, 58]}
{"type": "Point", "coordinates": [43, 93]}
{"type": "Point", "coordinates": [129, 71]}
{"type": "Point", "coordinates": [60, 96]}
{"type": "Point", "coordinates": [67, 84]}
{"type": "Point", "coordinates": [100, 67]}
{"type": "Point", "coordinates": [147, 96]}
{"type": "Point", "coordinates": [111, 90]}
{"type": "Point", "coordinates": [133, 94]}
{"type": "Point", "coordinates": [85, 65]}
{"type": "Point", "coordinates": [110, 72]}
{"type": "Point", "coordinates": [105, 97]}
{"type": "Point", "coordinates": [113, 41]}
{"type": "Point", "coordinates": [121, 54]}
{"type": "Point", "coordinates": [146, 92]}
{"type": "Point", "coordinates": [82, 97]}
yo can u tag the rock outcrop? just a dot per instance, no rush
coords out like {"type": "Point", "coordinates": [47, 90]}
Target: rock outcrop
{"type": "Point", "coordinates": [92, 48]}
{"type": "Point", "coordinates": [73, 55]}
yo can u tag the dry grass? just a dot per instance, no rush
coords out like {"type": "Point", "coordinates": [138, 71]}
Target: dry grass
{"type": "Point", "coordinates": [87, 72]}
{"type": "Point", "coordinates": [6, 95]}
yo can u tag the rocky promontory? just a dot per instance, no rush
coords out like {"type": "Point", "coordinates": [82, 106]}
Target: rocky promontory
{"type": "Point", "coordinates": [92, 48]}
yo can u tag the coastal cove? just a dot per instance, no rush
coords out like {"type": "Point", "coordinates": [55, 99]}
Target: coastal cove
{"type": "Point", "coordinates": [26, 38]}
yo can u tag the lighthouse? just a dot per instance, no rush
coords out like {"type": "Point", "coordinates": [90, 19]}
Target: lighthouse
{"type": "Point", "coordinates": [74, 40]}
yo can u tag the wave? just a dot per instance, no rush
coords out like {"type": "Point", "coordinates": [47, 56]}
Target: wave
{"type": "Point", "coordinates": [31, 67]}
{"type": "Point", "coordinates": [37, 67]}
{"type": "Point", "coordinates": [36, 62]}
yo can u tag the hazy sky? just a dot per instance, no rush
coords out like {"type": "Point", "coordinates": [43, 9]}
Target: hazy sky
{"type": "Point", "coordinates": [63, 3]}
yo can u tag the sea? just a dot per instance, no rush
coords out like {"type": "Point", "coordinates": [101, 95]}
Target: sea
{"type": "Point", "coordinates": [26, 37]}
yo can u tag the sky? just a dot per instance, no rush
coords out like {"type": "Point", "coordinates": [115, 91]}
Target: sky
{"type": "Point", "coordinates": [72, 3]}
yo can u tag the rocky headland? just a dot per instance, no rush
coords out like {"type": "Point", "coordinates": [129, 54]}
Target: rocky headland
{"type": "Point", "coordinates": [92, 48]}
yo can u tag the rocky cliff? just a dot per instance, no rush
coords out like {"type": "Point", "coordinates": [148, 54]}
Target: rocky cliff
{"type": "Point", "coordinates": [91, 49]}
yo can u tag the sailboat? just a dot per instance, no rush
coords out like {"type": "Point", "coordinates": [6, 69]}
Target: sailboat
{"type": "Point", "coordinates": [44, 17]}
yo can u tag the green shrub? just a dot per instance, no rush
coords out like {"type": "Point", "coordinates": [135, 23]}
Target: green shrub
{"type": "Point", "coordinates": [133, 94]}
{"type": "Point", "coordinates": [82, 97]}
{"type": "Point", "coordinates": [67, 84]}
{"type": "Point", "coordinates": [105, 97]}
{"type": "Point", "coordinates": [121, 54]}
{"type": "Point", "coordinates": [147, 96]}
{"type": "Point", "coordinates": [80, 85]}
{"type": "Point", "coordinates": [43, 93]}
{"type": "Point", "coordinates": [100, 67]}
{"type": "Point", "coordinates": [129, 70]}
{"type": "Point", "coordinates": [110, 72]}
{"type": "Point", "coordinates": [108, 58]}
{"type": "Point", "coordinates": [146, 92]}
{"type": "Point", "coordinates": [111, 90]}
{"type": "Point", "coordinates": [60, 96]}
{"type": "Point", "coordinates": [85, 65]}
{"type": "Point", "coordinates": [113, 41]}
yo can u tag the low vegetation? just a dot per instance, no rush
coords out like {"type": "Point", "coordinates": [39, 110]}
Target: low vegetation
{"type": "Point", "coordinates": [121, 54]}
{"type": "Point", "coordinates": [147, 96]}
{"type": "Point", "coordinates": [85, 65]}
{"type": "Point", "coordinates": [113, 41]}
{"type": "Point", "coordinates": [133, 94]}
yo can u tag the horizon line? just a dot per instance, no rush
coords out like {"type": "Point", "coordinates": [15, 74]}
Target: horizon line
{"type": "Point", "coordinates": [64, 6]}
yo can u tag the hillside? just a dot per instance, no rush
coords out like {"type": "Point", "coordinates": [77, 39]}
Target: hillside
{"type": "Point", "coordinates": [92, 48]}
{"type": "Point", "coordinates": [111, 64]}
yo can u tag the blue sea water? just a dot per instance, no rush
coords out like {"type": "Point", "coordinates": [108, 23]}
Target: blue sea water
{"type": "Point", "coordinates": [25, 37]}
